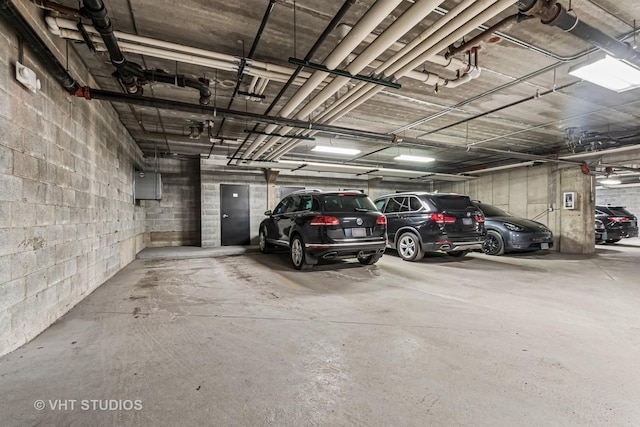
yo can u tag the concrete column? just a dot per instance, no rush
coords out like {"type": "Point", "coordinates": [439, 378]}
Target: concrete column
{"type": "Point", "coordinates": [577, 224]}
{"type": "Point", "coordinates": [271, 176]}
{"type": "Point", "coordinates": [373, 183]}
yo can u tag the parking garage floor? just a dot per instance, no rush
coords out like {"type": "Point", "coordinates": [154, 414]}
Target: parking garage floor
{"type": "Point", "coordinates": [242, 339]}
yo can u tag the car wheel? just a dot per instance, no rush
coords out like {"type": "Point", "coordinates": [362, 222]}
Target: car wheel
{"type": "Point", "coordinates": [493, 244]}
{"type": "Point", "coordinates": [298, 257]}
{"type": "Point", "coordinates": [457, 254]}
{"type": "Point", "coordinates": [369, 260]}
{"type": "Point", "coordinates": [613, 240]}
{"type": "Point", "coordinates": [265, 247]}
{"type": "Point", "coordinates": [409, 248]}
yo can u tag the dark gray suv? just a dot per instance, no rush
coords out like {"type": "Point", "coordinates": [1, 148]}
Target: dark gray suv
{"type": "Point", "coordinates": [420, 222]}
{"type": "Point", "coordinates": [315, 225]}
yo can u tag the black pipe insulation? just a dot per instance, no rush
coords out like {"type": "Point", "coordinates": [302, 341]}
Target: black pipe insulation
{"type": "Point", "coordinates": [552, 13]}
{"type": "Point", "coordinates": [180, 80]}
{"type": "Point", "coordinates": [332, 25]}
{"type": "Point", "coordinates": [47, 59]}
{"type": "Point", "coordinates": [97, 12]}
{"type": "Point", "coordinates": [167, 104]}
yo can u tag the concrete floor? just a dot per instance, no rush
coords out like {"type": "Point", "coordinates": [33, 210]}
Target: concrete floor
{"type": "Point", "coordinates": [542, 339]}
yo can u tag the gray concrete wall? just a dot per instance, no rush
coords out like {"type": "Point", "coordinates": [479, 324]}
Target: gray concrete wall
{"type": "Point", "coordinates": [68, 221]}
{"type": "Point", "coordinates": [175, 219]}
{"type": "Point", "coordinates": [531, 192]}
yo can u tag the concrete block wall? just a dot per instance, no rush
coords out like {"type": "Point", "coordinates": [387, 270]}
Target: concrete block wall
{"type": "Point", "coordinates": [68, 221]}
{"type": "Point", "coordinates": [213, 172]}
{"type": "Point", "coordinates": [175, 219]}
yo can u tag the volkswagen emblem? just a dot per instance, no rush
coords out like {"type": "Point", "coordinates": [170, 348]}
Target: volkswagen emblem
{"type": "Point", "coordinates": [359, 221]}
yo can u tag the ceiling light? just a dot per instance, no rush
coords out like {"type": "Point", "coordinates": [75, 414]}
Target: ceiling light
{"type": "Point", "coordinates": [608, 72]}
{"type": "Point", "coordinates": [409, 158]}
{"type": "Point", "coordinates": [610, 182]}
{"type": "Point", "coordinates": [335, 150]}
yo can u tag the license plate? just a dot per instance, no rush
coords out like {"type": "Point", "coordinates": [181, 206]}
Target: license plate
{"type": "Point", "coordinates": [358, 232]}
{"type": "Point", "coordinates": [467, 221]}
{"type": "Point", "coordinates": [544, 246]}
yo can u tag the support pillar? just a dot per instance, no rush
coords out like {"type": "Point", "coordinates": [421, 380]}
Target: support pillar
{"type": "Point", "coordinates": [271, 176]}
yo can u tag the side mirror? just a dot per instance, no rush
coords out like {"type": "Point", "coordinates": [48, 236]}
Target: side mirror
{"type": "Point", "coordinates": [267, 213]}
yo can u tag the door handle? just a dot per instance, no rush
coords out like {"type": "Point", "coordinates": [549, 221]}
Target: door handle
{"type": "Point", "coordinates": [225, 216]}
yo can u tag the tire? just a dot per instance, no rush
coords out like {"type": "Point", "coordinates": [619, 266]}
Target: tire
{"type": "Point", "coordinates": [265, 247]}
{"type": "Point", "coordinates": [457, 254]}
{"type": "Point", "coordinates": [298, 256]}
{"type": "Point", "coordinates": [611, 241]}
{"type": "Point", "coordinates": [369, 260]}
{"type": "Point", "coordinates": [408, 247]}
{"type": "Point", "coordinates": [493, 244]}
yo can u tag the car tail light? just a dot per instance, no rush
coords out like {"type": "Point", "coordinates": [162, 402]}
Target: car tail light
{"type": "Point", "coordinates": [479, 218]}
{"type": "Point", "coordinates": [325, 220]}
{"type": "Point", "coordinates": [441, 218]}
{"type": "Point", "coordinates": [618, 219]}
{"type": "Point", "coordinates": [382, 220]}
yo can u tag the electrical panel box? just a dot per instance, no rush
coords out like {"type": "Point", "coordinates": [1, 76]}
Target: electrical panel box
{"type": "Point", "coordinates": [147, 186]}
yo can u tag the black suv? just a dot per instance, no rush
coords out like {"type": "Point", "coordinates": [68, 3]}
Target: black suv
{"type": "Point", "coordinates": [314, 224]}
{"type": "Point", "coordinates": [618, 223]}
{"type": "Point", "coordinates": [420, 222]}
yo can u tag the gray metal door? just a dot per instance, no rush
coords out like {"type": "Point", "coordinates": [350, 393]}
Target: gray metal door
{"type": "Point", "coordinates": [234, 210]}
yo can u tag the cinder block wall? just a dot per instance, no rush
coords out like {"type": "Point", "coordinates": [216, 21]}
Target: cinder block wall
{"type": "Point", "coordinates": [68, 221]}
{"type": "Point", "coordinates": [175, 219]}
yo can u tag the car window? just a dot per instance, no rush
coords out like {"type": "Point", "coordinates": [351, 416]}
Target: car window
{"type": "Point", "coordinates": [620, 211]}
{"type": "Point", "coordinates": [282, 207]}
{"type": "Point", "coordinates": [380, 204]}
{"type": "Point", "coordinates": [394, 204]}
{"type": "Point", "coordinates": [315, 205]}
{"type": "Point", "coordinates": [490, 210]}
{"type": "Point", "coordinates": [454, 202]}
{"type": "Point", "coordinates": [415, 203]}
{"type": "Point", "coordinates": [347, 203]}
{"type": "Point", "coordinates": [296, 204]}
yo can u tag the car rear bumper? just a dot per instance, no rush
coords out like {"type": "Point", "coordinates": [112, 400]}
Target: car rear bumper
{"type": "Point", "coordinates": [448, 246]}
{"type": "Point", "coordinates": [345, 249]}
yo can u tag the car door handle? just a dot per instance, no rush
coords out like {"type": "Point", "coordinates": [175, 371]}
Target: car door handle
{"type": "Point", "coordinates": [225, 216]}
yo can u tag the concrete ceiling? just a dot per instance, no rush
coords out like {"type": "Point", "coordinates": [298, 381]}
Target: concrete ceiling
{"type": "Point", "coordinates": [523, 104]}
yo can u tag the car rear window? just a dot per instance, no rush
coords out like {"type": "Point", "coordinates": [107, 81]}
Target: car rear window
{"type": "Point", "coordinates": [490, 210]}
{"type": "Point", "coordinates": [347, 203]}
{"type": "Point", "coordinates": [452, 202]}
{"type": "Point", "coordinates": [619, 211]}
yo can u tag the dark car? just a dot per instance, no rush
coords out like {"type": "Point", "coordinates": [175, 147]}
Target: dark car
{"type": "Point", "coordinates": [420, 222]}
{"type": "Point", "coordinates": [315, 225]}
{"type": "Point", "coordinates": [618, 223]}
{"type": "Point", "coordinates": [508, 233]}
{"type": "Point", "coordinates": [601, 232]}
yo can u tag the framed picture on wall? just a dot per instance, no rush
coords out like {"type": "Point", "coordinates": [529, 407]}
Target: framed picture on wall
{"type": "Point", "coordinates": [569, 200]}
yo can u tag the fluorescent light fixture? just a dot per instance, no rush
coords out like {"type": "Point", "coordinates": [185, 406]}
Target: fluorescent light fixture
{"type": "Point", "coordinates": [409, 158]}
{"type": "Point", "coordinates": [335, 150]}
{"type": "Point", "coordinates": [608, 72]}
{"type": "Point", "coordinates": [610, 182]}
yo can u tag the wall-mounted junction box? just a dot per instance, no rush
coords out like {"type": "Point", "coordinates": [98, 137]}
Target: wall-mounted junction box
{"type": "Point", "coordinates": [147, 185]}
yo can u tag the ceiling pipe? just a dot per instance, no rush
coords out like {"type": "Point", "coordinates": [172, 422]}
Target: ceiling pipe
{"type": "Point", "coordinates": [504, 24]}
{"type": "Point", "coordinates": [552, 13]}
{"type": "Point", "coordinates": [201, 84]}
{"type": "Point", "coordinates": [328, 29]}
{"type": "Point", "coordinates": [454, 28]}
{"type": "Point", "coordinates": [243, 63]}
{"type": "Point", "coordinates": [457, 28]}
{"type": "Point", "coordinates": [128, 71]}
{"type": "Point", "coordinates": [409, 19]}
{"type": "Point", "coordinates": [374, 16]}
{"type": "Point", "coordinates": [47, 59]}
{"type": "Point", "coordinates": [464, 10]}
